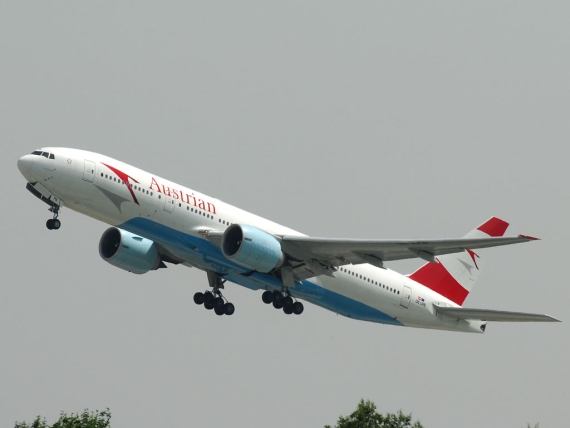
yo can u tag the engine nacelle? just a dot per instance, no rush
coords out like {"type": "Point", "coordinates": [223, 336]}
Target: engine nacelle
{"type": "Point", "coordinates": [128, 251]}
{"type": "Point", "coordinates": [252, 248]}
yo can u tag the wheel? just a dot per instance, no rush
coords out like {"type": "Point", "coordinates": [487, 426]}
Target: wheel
{"type": "Point", "coordinates": [219, 311]}
{"type": "Point", "coordinates": [199, 298]}
{"type": "Point", "coordinates": [56, 223]}
{"type": "Point", "coordinates": [49, 224]}
{"type": "Point", "coordinates": [277, 297]}
{"type": "Point", "coordinates": [277, 305]}
{"type": "Point", "coordinates": [229, 308]}
{"type": "Point", "coordinates": [288, 309]}
{"type": "Point", "coordinates": [208, 305]}
{"type": "Point", "coordinates": [298, 308]}
{"type": "Point", "coordinates": [208, 297]}
{"type": "Point", "coordinates": [267, 297]}
{"type": "Point", "coordinates": [218, 303]}
{"type": "Point", "coordinates": [287, 301]}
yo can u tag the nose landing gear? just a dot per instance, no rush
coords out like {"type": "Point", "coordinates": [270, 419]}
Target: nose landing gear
{"type": "Point", "coordinates": [283, 301]}
{"type": "Point", "coordinates": [54, 223]}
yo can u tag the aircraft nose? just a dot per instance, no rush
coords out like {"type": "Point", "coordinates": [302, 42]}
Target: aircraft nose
{"type": "Point", "coordinates": [25, 163]}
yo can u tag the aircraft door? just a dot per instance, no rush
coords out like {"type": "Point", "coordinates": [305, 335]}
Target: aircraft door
{"type": "Point", "coordinates": [406, 297]}
{"type": "Point", "coordinates": [168, 204]}
{"type": "Point", "coordinates": [89, 171]}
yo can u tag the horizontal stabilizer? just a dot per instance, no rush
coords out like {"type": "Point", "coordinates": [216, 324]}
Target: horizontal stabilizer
{"type": "Point", "coordinates": [491, 315]}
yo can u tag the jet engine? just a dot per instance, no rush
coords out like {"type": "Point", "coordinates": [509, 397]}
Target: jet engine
{"type": "Point", "coordinates": [128, 251]}
{"type": "Point", "coordinates": [252, 248]}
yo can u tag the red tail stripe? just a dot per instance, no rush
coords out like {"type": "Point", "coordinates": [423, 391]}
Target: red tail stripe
{"type": "Point", "coordinates": [494, 227]}
{"type": "Point", "coordinates": [437, 278]}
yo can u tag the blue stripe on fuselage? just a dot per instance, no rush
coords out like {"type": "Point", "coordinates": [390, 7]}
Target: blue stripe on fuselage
{"type": "Point", "coordinates": [203, 253]}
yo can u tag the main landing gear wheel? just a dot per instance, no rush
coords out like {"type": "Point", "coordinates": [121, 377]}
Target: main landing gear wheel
{"type": "Point", "coordinates": [229, 308]}
{"type": "Point", "coordinates": [267, 297]}
{"type": "Point", "coordinates": [298, 308]}
{"type": "Point", "coordinates": [199, 298]}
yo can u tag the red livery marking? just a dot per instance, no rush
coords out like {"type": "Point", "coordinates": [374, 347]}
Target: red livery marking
{"type": "Point", "coordinates": [494, 227]}
{"type": "Point", "coordinates": [473, 255]}
{"type": "Point", "coordinates": [124, 177]}
{"type": "Point", "coordinates": [435, 277]}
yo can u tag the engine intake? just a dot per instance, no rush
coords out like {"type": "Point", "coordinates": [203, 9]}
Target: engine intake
{"type": "Point", "coordinates": [128, 251]}
{"type": "Point", "coordinates": [252, 248]}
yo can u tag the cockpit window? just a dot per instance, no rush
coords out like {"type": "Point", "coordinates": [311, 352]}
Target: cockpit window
{"type": "Point", "coordinates": [37, 152]}
{"type": "Point", "coordinates": [45, 154]}
{"type": "Point", "coordinates": [51, 156]}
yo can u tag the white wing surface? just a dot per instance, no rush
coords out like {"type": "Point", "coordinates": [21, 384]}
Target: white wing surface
{"type": "Point", "coordinates": [492, 315]}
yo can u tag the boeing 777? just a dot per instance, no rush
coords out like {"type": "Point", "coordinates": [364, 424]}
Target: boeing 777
{"type": "Point", "coordinates": [155, 222]}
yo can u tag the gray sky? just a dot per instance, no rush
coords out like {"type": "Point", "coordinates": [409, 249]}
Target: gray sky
{"type": "Point", "coordinates": [376, 119]}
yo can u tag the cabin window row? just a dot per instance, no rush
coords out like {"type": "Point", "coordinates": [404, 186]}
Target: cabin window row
{"type": "Point", "coordinates": [134, 187]}
{"type": "Point", "coordinates": [371, 281]}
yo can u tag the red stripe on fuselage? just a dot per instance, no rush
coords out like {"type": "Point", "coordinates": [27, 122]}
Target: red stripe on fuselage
{"type": "Point", "coordinates": [436, 277]}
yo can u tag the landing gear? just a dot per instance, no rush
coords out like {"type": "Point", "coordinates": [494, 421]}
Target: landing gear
{"type": "Point", "coordinates": [214, 299]}
{"type": "Point", "coordinates": [54, 223]}
{"type": "Point", "coordinates": [283, 301]}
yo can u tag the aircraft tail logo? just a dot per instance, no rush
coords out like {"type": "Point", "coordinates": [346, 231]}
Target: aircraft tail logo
{"type": "Point", "coordinates": [455, 274]}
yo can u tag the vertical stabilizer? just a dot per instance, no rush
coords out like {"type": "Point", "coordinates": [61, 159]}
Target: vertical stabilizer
{"type": "Point", "coordinates": [453, 277]}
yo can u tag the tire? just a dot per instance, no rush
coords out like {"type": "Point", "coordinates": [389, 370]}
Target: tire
{"type": "Point", "coordinates": [267, 297]}
{"type": "Point", "coordinates": [277, 305]}
{"type": "Point", "coordinates": [49, 224]}
{"type": "Point", "coordinates": [209, 305]}
{"type": "Point", "coordinates": [218, 303]}
{"type": "Point", "coordinates": [229, 308]}
{"type": "Point", "coordinates": [288, 309]}
{"type": "Point", "coordinates": [219, 311]}
{"type": "Point", "coordinates": [298, 308]}
{"type": "Point", "coordinates": [56, 224]}
{"type": "Point", "coordinates": [278, 297]}
{"type": "Point", "coordinates": [287, 301]}
{"type": "Point", "coordinates": [199, 298]}
{"type": "Point", "coordinates": [208, 297]}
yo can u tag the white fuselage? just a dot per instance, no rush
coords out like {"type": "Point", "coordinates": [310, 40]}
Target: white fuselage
{"type": "Point", "coordinates": [175, 218]}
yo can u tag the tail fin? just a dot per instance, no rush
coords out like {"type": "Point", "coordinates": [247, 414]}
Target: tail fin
{"type": "Point", "coordinates": [453, 277]}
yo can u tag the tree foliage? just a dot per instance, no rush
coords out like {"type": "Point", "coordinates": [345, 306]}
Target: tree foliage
{"type": "Point", "coordinates": [366, 416]}
{"type": "Point", "coordinates": [86, 419]}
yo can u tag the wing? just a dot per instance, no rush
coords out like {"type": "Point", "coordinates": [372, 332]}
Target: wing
{"type": "Point", "coordinates": [491, 315]}
{"type": "Point", "coordinates": [310, 257]}
{"type": "Point", "coordinates": [337, 252]}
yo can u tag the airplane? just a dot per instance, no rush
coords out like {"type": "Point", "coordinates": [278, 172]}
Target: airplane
{"type": "Point", "coordinates": [155, 222]}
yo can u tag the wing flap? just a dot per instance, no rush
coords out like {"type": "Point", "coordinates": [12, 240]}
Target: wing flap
{"type": "Point", "coordinates": [492, 315]}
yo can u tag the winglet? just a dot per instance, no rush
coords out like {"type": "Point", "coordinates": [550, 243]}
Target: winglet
{"type": "Point", "coordinates": [531, 238]}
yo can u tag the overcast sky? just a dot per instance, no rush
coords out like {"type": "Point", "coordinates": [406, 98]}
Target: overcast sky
{"type": "Point", "coordinates": [338, 119]}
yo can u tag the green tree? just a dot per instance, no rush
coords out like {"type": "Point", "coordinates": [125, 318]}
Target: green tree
{"type": "Point", "coordinates": [87, 419]}
{"type": "Point", "coordinates": [366, 416]}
